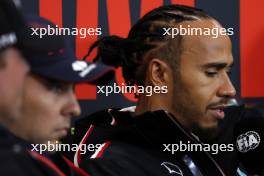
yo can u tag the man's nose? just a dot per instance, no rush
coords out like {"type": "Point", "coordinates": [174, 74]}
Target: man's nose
{"type": "Point", "coordinates": [72, 109]}
{"type": "Point", "coordinates": [227, 89]}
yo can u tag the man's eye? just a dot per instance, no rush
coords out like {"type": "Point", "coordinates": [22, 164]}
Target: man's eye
{"type": "Point", "coordinates": [228, 71]}
{"type": "Point", "coordinates": [211, 74]}
{"type": "Point", "coordinates": [56, 88]}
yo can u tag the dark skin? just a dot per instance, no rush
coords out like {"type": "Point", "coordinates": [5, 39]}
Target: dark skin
{"type": "Point", "coordinates": [198, 92]}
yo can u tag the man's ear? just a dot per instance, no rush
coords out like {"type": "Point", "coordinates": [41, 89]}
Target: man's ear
{"type": "Point", "coordinates": [158, 72]}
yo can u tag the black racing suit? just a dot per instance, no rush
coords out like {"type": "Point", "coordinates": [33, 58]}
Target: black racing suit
{"type": "Point", "coordinates": [17, 159]}
{"type": "Point", "coordinates": [141, 145]}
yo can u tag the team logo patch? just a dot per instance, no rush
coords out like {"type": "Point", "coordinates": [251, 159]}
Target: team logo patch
{"type": "Point", "coordinates": [248, 141]}
{"type": "Point", "coordinates": [79, 65]}
{"type": "Point", "coordinates": [7, 39]}
{"type": "Point", "coordinates": [83, 68]}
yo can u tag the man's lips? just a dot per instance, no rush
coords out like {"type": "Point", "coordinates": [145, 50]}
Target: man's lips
{"type": "Point", "coordinates": [63, 131]}
{"type": "Point", "coordinates": [218, 111]}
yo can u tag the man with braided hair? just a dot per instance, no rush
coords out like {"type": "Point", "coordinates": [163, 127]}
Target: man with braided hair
{"type": "Point", "coordinates": [160, 137]}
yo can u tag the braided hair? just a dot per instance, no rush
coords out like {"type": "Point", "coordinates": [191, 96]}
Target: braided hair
{"type": "Point", "coordinates": [145, 41]}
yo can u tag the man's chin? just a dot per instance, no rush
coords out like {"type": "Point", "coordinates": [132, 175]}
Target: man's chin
{"type": "Point", "coordinates": [206, 134]}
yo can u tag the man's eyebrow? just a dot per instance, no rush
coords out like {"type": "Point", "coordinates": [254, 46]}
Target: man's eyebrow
{"type": "Point", "coordinates": [217, 65]}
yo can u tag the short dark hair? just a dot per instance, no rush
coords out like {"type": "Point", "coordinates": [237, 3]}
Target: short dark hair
{"type": "Point", "coordinates": [146, 40]}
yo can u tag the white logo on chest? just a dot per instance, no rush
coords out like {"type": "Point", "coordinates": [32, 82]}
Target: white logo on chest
{"type": "Point", "coordinates": [172, 168]}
